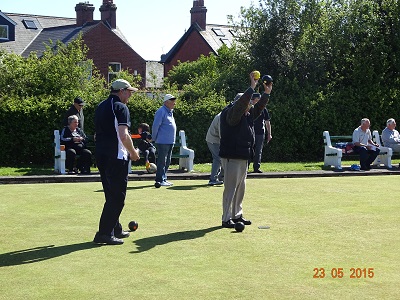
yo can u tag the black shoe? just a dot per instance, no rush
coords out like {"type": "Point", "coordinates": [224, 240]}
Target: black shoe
{"type": "Point", "coordinates": [257, 171]}
{"type": "Point", "coordinates": [243, 220]}
{"type": "Point", "coordinates": [107, 239]}
{"type": "Point", "coordinates": [157, 184]}
{"type": "Point", "coordinates": [122, 235]}
{"type": "Point", "coordinates": [228, 224]}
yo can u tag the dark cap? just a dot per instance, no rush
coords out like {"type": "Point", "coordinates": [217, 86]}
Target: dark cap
{"type": "Point", "coordinates": [79, 101]}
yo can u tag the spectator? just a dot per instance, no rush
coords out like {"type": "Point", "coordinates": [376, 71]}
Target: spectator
{"type": "Point", "coordinates": [390, 136]}
{"type": "Point", "coordinates": [164, 134]}
{"type": "Point", "coordinates": [144, 144]}
{"type": "Point", "coordinates": [236, 148]}
{"type": "Point", "coordinates": [363, 145]}
{"type": "Point", "coordinates": [114, 148]}
{"type": "Point", "coordinates": [76, 109]}
{"type": "Point", "coordinates": [213, 140]}
{"type": "Point", "coordinates": [260, 124]}
{"type": "Point", "coordinates": [74, 140]}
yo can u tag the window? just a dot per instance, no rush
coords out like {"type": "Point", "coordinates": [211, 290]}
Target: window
{"type": "Point", "coordinates": [218, 32]}
{"type": "Point", "coordinates": [29, 24]}
{"type": "Point", "coordinates": [3, 32]}
{"type": "Point", "coordinates": [226, 42]}
{"type": "Point", "coordinates": [233, 32]}
{"type": "Point", "coordinates": [113, 69]}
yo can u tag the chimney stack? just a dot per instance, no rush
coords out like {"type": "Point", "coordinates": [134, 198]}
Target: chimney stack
{"type": "Point", "coordinates": [198, 14]}
{"type": "Point", "coordinates": [84, 13]}
{"type": "Point", "coordinates": [108, 13]}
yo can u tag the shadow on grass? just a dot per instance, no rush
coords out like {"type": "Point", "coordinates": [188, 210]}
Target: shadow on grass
{"type": "Point", "coordinates": [146, 244]}
{"type": "Point", "coordinates": [140, 187]}
{"type": "Point", "coordinates": [38, 254]}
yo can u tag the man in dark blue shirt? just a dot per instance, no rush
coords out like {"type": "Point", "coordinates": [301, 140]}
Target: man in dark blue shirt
{"type": "Point", "coordinates": [114, 148]}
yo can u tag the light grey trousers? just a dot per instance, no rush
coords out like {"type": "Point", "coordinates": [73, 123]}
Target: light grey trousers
{"type": "Point", "coordinates": [235, 173]}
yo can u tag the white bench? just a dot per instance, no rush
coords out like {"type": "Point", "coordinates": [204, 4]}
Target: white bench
{"type": "Point", "coordinates": [59, 156]}
{"type": "Point", "coordinates": [185, 155]}
{"type": "Point", "coordinates": [333, 156]}
{"type": "Point", "coordinates": [377, 139]}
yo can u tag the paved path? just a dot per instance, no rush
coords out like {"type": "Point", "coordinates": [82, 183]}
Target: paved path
{"type": "Point", "coordinates": [179, 175]}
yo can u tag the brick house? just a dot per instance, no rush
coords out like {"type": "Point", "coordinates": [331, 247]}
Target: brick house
{"type": "Point", "coordinates": [200, 38]}
{"type": "Point", "coordinates": [22, 34]}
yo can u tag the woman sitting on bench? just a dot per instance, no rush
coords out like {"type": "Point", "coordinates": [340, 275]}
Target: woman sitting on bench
{"type": "Point", "coordinates": [74, 140]}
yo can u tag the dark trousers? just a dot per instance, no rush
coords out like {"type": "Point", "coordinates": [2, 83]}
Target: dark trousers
{"type": "Point", "coordinates": [258, 149]}
{"type": "Point", "coordinates": [114, 178]}
{"type": "Point", "coordinates": [367, 156]}
{"type": "Point", "coordinates": [150, 155]}
{"type": "Point", "coordinates": [84, 161]}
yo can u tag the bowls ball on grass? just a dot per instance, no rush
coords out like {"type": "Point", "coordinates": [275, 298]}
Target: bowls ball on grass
{"type": "Point", "coordinates": [239, 226]}
{"type": "Point", "coordinates": [133, 225]}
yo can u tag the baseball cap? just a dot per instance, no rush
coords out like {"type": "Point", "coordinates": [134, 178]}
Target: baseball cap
{"type": "Point", "coordinates": [169, 97]}
{"type": "Point", "coordinates": [79, 101]}
{"type": "Point", "coordinates": [121, 84]}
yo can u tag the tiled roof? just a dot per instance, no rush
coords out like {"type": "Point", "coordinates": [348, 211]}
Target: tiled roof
{"type": "Point", "coordinates": [64, 34]}
{"type": "Point", "coordinates": [218, 35]}
{"type": "Point", "coordinates": [48, 28]}
{"type": "Point", "coordinates": [25, 36]}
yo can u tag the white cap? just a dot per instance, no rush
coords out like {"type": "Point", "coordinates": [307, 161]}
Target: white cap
{"type": "Point", "coordinates": [121, 84]}
{"type": "Point", "coordinates": [169, 97]}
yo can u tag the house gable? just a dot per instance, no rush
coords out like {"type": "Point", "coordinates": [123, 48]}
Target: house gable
{"type": "Point", "coordinates": [196, 42]}
{"type": "Point", "coordinates": [106, 46]}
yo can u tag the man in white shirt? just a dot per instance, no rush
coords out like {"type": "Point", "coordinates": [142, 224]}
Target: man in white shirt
{"type": "Point", "coordinates": [363, 145]}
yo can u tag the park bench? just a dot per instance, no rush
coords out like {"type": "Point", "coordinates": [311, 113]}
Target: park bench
{"type": "Point", "coordinates": [181, 152]}
{"type": "Point", "coordinates": [60, 155]}
{"type": "Point", "coordinates": [336, 149]}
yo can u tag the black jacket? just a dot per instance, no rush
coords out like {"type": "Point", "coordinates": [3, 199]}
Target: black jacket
{"type": "Point", "coordinates": [237, 128]}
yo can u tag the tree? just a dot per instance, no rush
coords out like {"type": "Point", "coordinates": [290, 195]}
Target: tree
{"type": "Point", "coordinates": [34, 94]}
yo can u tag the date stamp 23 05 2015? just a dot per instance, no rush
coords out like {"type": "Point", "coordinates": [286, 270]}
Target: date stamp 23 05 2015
{"type": "Point", "coordinates": [354, 273]}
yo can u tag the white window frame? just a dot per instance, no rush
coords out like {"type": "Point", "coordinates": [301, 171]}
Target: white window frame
{"type": "Point", "coordinates": [7, 37]}
{"type": "Point", "coordinates": [114, 71]}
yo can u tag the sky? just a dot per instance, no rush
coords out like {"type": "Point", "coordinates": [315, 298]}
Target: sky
{"type": "Point", "coordinates": [151, 27]}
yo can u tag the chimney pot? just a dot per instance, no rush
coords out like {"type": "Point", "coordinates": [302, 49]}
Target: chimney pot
{"type": "Point", "coordinates": [84, 13]}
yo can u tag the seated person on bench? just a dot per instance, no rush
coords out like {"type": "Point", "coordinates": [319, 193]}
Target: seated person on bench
{"type": "Point", "coordinates": [74, 140]}
{"type": "Point", "coordinates": [363, 145]}
{"type": "Point", "coordinates": [390, 136]}
{"type": "Point", "coordinates": [144, 144]}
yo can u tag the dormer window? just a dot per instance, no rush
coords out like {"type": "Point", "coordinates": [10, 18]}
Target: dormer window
{"type": "Point", "coordinates": [29, 24]}
{"type": "Point", "coordinates": [4, 32]}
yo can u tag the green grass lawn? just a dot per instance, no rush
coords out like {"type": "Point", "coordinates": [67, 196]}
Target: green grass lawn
{"type": "Point", "coordinates": [198, 168]}
{"type": "Point", "coordinates": [180, 252]}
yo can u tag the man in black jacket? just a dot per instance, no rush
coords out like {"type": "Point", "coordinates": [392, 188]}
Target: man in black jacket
{"type": "Point", "coordinates": [75, 109]}
{"type": "Point", "coordinates": [237, 147]}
